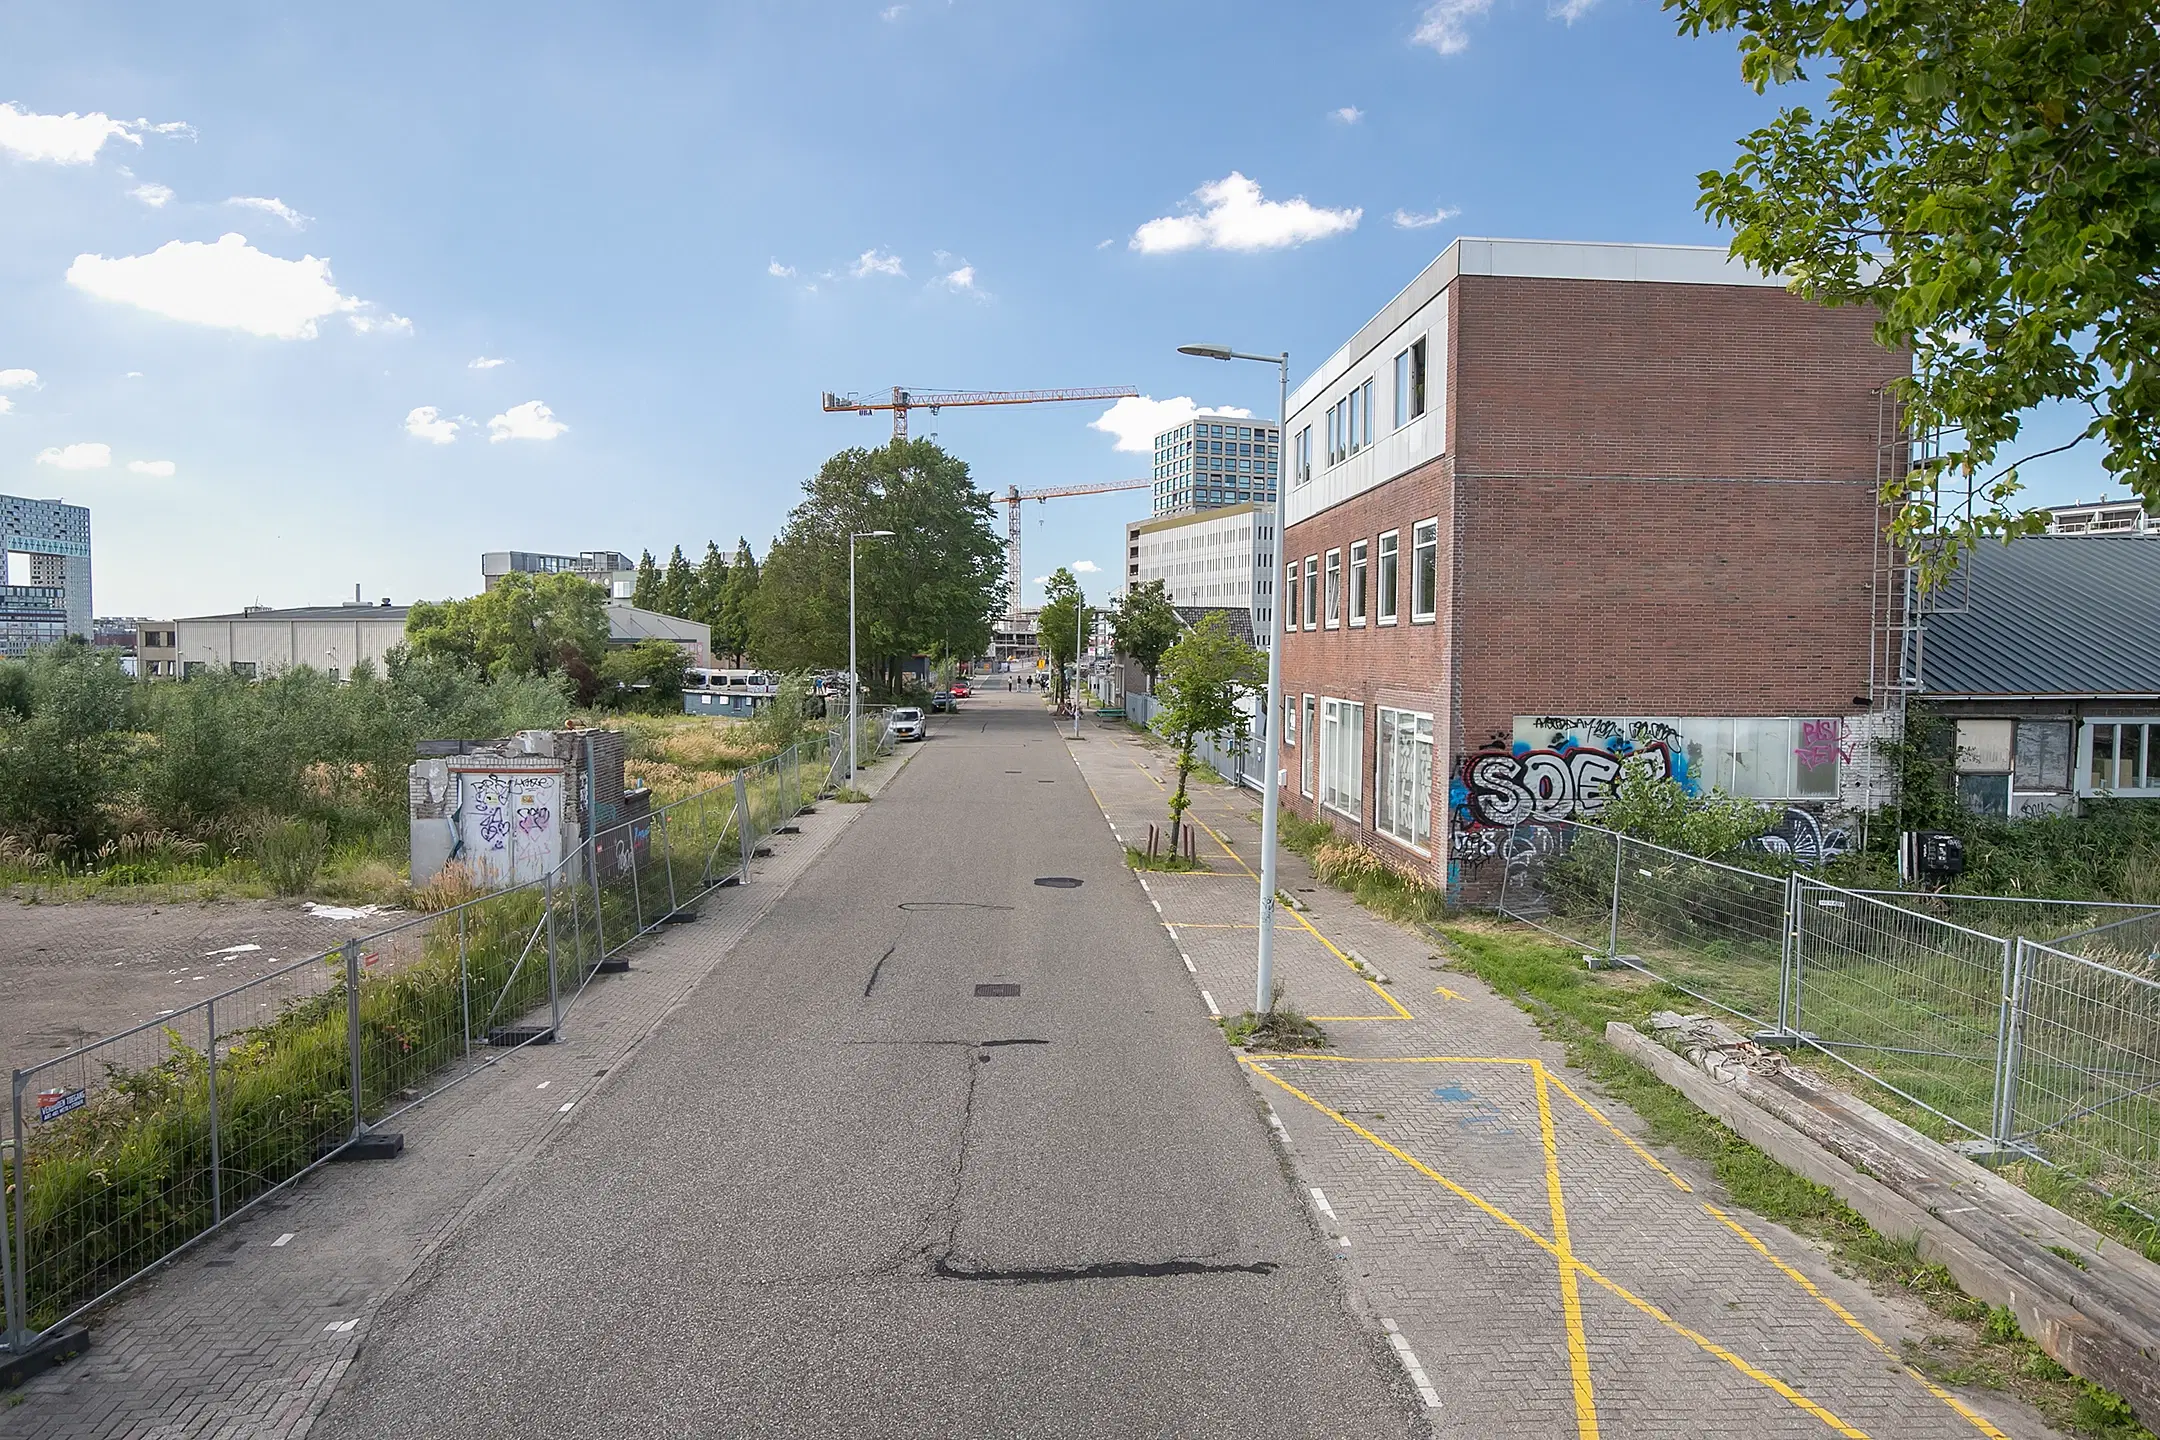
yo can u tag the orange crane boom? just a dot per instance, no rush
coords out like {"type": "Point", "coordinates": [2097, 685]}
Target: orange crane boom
{"type": "Point", "coordinates": [1011, 499]}
{"type": "Point", "coordinates": [904, 400]}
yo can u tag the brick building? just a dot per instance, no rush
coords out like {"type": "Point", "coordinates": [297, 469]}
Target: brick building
{"type": "Point", "coordinates": [1557, 504]}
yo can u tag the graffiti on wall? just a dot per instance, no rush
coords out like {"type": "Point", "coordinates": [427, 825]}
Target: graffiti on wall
{"type": "Point", "coordinates": [1823, 741]}
{"type": "Point", "coordinates": [1514, 787]}
{"type": "Point", "coordinates": [510, 824]}
{"type": "Point", "coordinates": [1802, 835]}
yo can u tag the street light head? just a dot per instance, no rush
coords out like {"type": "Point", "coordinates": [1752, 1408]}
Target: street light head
{"type": "Point", "coordinates": [1206, 352]}
{"type": "Point", "coordinates": [871, 534]}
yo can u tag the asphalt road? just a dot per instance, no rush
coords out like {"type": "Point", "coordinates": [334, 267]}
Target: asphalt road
{"type": "Point", "coordinates": [842, 1193]}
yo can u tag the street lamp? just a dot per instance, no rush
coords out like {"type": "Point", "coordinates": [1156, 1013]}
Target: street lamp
{"type": "Point", "coordinates": [1264, 972]}
{"type": "Point", "coordinates": [1079, 645]}
{"type": "Point", "coordinates": [854, 680]}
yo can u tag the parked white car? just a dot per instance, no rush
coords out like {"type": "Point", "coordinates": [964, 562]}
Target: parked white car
{"type": "Point", "coordinates": [905, 723]}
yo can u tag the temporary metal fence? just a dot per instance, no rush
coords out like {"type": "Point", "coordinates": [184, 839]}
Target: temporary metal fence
{"type": "Point", "coordinates": [2047, 1051]}
{"type": "Point", "coordinates": [129, 1149]}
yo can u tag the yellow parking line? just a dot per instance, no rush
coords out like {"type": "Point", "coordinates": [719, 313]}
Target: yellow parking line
{"type": "Point", "coordinates": [1707, 1345]}
{"type": "Point", "coordinates": [1977, 1422]}
{"type": "Point", "coordinates": [1586, 1421]}
{"type": "Point", "coordinates": [1626, 1139]}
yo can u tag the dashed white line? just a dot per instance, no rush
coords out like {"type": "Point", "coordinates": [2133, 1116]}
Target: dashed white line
{"type": "Point", "coordinates": [566, 1107]}
{"type": "Point", "coordinates": [284, 1239]}
{"type": "Point", "coordinates": [1188, 963]}
{"type": "Point", "coordinates": [1144, 886]}
{"type": "Point", "coordinates": [1321, 1201]}
{"type": "Point", "coordinates": [1212, 1008]}
{"type": "Point", "coordinates": [1275, 1123]}
{"type": "Point", "coordinates": [340, 1327]}
{"type": "Point", "coordinates": [1157, 904]}
{"type": "Point", "coordinates": [543, 1084]}
{"type": "Point", "coordinates": [1409, 1359]}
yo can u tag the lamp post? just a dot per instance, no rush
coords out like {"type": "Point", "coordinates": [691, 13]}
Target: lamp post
{"type": "Point", "coordinates": [1271, 772]}
{"type": "Point", "coordinates": [854, 680]}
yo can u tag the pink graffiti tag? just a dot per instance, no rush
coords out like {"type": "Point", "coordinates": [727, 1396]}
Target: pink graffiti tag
{"type": "Point", "coordinates": [534, 821]}
{"type": "Point", "coordinates": [1822, 741]}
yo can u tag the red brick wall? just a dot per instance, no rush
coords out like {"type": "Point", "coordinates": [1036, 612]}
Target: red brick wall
{"type": "Point", "coordinates": [1658, 499]}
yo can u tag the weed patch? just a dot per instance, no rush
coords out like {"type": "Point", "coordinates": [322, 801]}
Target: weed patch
{"type": "Point", "coordinates": [1173, 862]}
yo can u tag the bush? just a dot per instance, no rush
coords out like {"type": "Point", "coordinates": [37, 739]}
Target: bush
{"type": "Point", "coordinates": [290, 853]}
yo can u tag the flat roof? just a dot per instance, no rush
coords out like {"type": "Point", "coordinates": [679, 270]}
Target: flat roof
{"type": "Point", "coordinates": [346, 611]}
{"type": "Point", "coordinates": [1213, 512]}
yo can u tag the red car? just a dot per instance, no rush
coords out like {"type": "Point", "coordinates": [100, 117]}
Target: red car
{"type": "Point", "coordinates": [960, 689]}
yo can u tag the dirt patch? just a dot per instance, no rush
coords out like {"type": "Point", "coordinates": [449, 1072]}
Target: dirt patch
{"type": "Point", "coordinates": [72, 973]}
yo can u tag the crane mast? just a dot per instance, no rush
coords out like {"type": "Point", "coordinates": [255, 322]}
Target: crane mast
{"type": "Point", "coordinates": [1011, 500]}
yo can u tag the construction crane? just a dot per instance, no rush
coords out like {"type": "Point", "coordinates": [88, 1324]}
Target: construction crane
{"type": "Point", "coordinates": [904, 400]}
{"type": "Point", "coordinates": [1013, 496]}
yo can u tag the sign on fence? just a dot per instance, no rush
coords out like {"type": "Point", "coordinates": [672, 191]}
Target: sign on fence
{"type": "Point", "coordinates": [52, 1104]}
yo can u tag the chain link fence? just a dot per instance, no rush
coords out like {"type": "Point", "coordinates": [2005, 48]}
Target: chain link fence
{"type": "Point", "coordinates": [124, 1151]}
{"type": "Point", "coordinates": [2041, 1049]}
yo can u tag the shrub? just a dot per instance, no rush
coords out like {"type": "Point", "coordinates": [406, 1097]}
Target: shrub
{"type": "Point", "coordinates": [290, 853]}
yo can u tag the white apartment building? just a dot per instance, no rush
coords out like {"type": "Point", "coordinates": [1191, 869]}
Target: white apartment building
{"type": "Point", "coordinates": [1213, 460]}
{"type": "Point", "coordinates": [1221, 558]}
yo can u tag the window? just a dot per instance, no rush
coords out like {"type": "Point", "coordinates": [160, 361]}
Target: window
{"type": "Point", "coordinates": [191, 669]}
{"type": "Point", "coordinates": [1417, 378]}
{"type": "Point", "coordinates": [1342, 765]}
{"type": "Point", "coordinates": [1289, 717]}
{"type": "Point", "coordinates": [1291, 619]}
{"type": "Point", "coordinates": [1402, 777]}
{"type": "Point", "coordinates": [1312, 591]}
{"type": "Point", "coordinates": [1334, 434]}
{"type": "Point", "coordinates": [1350, 425]}
{"type": "Point", "coordinates": [1367, 391]}
{"type": "Point", "coordinates": [2043, 755]}
{"type": "Point", "coordinates": [1402, 391]}
{"type": "Point", "coordinates": [1425, 569]}
{"type": "Point", "coordinates": [1358, 568]}
{"type": "Point", "coordinates": [2117, 757]}
{"type": "Point", "coordinates": [1305, 757]}
{"type": "Point", "coordinates": [245, 669]}
{"type": "Point", "coordinates": [1389, 544]}
{"type": "Point", "coordinates": [1334, 589]}
{"type": "Point", "coordinates": [333, 674]}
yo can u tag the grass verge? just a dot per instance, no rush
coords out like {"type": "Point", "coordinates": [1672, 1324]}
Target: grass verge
{"type": "Point", "coordinates": [1141, 860]}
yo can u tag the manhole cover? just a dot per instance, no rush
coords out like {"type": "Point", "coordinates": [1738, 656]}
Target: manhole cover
{"type": "Point", "coordinates": [1057, 882]}
{"type": "Point", "coordinates": [1000, 987]}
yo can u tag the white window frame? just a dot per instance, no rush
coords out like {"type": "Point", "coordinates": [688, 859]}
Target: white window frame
{"type": "Point", "coordinates": [1417, 616]}
{"type": "Point", "coordinates": [2081, 778]}
{"type": "Point", "coordinates": [1331, 601]}
{"type": "Point", "coordinates": [1392, 594]}
{"type": "Point", "coordinates": [1306, 756]}
{"type": "Point", "coordinates": [1367, 389]}
{"type": "Point", "coordinates": [1420, 378]}
{"type": "Point", "coordinates": [1342, 762]}
{"type": "Point", "coordinates": [1402, 389]}
{"type": "Point", "coordinates": [1289, 705]}
{"type": "Point", "coordinates": [1412, 830]}
{"type": "Point", "coordinates": [1312, 592]}
{"type": "Point", "coordinates": [1290, 619]}
{"type": "Point", "coordinates": [1357, 582]}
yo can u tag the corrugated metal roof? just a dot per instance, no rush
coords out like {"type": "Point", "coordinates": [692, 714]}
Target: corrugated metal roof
{"type": "Point", "coordinates": [1238, 617]}
{"type": "Point", "coordinates": [2050, 615]}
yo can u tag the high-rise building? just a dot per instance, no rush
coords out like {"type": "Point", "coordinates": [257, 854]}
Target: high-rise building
{"type": "Point", "coordinates": [1214, 460]}
{"type": "Point", "coordinates": [44, 572]}
{"type": "Point", "coordinates": [609, 568]}
{"type": "Point", "coordinates": [1214, 559]}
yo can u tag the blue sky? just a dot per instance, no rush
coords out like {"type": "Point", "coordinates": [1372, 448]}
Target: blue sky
{"type": "Point", "coordinates": [675, 225]}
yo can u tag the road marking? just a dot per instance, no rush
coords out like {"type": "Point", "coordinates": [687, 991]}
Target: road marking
{"type": "Point", "coordinates": [284, 1239]}
{"type": "Point", "coordinates": [566, 1107]}
{"type": "Point", "coordinates": [1321, 1201]}
{"type": "Point", "coordinates": [1144, 885]}
{"type": "Point", "coordinates": [1443, 990]}
{"type": "Point", "coordinates": [1188, 962]}
{"type": "Point", "coordinates": [1597, 1277]}
{"type": "Point", "coordinates": [1586, 1419]}
{"type": "Point", "coordinates": [1410, 1365]}
{"type": "Point", "coordinates": [340, 1327]}
{"type": "Point", "coordinates": [1854, 1321]}
{"type": "Point", "coordinates": [1196, 925]}
{"type": "Point", "coordinates": [543, 1084]}
{"type": "Point", "coordinates": [1211, 1007]}
{"type": "Point", "coordinates": [1157, 904]}
{"type": "Point", "coordinates": [1275, 1123]}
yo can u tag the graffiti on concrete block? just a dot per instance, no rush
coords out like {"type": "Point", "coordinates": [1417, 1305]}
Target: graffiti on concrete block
{"type": "Point", "coordinates": [1802, 835]}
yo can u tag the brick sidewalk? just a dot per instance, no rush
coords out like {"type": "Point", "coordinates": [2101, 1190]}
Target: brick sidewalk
{"type": "Point", "coordinates": [249, 1333]}
{"type": "Point", "coordinates": [1540, 1271]}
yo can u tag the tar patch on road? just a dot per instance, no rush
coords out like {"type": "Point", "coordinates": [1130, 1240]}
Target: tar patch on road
{"type": "Point", "coordinates": [996, 988]}
{"type": "Point", "coordinates": [1058, 882]}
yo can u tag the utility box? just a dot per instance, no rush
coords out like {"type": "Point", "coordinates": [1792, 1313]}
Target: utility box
{"type": "Point", "coordinates": [510, 810]}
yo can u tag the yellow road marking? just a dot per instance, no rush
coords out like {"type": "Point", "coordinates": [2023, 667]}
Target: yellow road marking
{"type": "Point", "coordinates": [1707, 1345]}
{"type": "Point", "coordinates": [1977, 1422]}
{"type": "Point", "coordinates": [1626, 1139]}
{"type": "Point", "coordinates": [1443, 990]}
{"type": "Point", "coordinates": [1586, 1421]}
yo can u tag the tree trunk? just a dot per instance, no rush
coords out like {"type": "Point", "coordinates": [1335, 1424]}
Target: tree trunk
{"type": "Point", "coordinates": [1178, 801]}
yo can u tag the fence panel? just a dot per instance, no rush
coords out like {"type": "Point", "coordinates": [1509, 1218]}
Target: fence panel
{"type": "Point", "coordinates": [1559, 878]}
{"type": "Point", "coordinates": [1911, 1001]}
{"type": "Point", "coordinates": [1715, 931]}
{"type": "Point", "coordinates": [2084, 1070]}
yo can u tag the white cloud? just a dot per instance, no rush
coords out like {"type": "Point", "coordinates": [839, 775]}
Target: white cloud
{"type": "Point", "coordinates": [272, 206]}
{"type": "Point", "coordinates": [529, 421]}
{"type": "Point", "coordinates": [6, 404]}
{"type": "Point", "coordinates": [1137, 419]}
{"type": "Point", "coordinates": [1040, 580]}
{"type": "Point", "coordinates": [1570, 10]}
{"type": "Point", "coordinates": [1348, 115]}
{"type": "Point", "coordinates": [76, 457]}
{"type": "Point", "coordinates": [71, 139]}
{"type": "Point", "coordinates": [1230, 214]}
{"type": "Point", "coordinates": [778, 271]}
{"type": "Point", "coordinates": [18, 379]}
{"type": "Point", "coordinates": [484, 362]}
{"type": "Point", "coordinates": [872, 263]}
{"type": "Point", "coordinates": [364, 319]}
{"type": "Point", "coordinates": [153, 194]}
{"type": "Point", "coordinates": [425, 422]}
{"type": "Point", "coordinates": [1443, 25]}
{"type": "Point", "coordinates": [1404, 220]}
{"type": "Point", "coordinates": [228, 283]}
{"type": "Point", "coordinates": [161, 469]}
{"type": "Point", "coordinates": [1086, 567]}
{"type": "Point", "coordinates": [892, 12]}
{"type": "Point", "coordinates": [960, 281]}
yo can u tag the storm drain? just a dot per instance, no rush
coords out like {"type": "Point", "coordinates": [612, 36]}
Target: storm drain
{"type": "Point", "coordinates": [997, 988]}
{"type": "Point", "coordinates": [1057, 882]}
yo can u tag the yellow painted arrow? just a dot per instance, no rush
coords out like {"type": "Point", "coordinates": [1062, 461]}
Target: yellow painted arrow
{"type": "Point", "coordinates": [1443, 990]}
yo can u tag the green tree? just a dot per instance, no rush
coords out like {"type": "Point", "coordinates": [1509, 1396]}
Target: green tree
{"type": "Point", "coordinates": [1059, 631]}
{"type": "Point", "coordinates": [1145, 624]}
{"type": "Point", "coordinates": [738, 606]}
{"type": "Point", "coordinates": [678, 587]}
{"type": "Point", "coordinates": [525, 625]}
{"type": "Point", "coordinates": [1655, 807]}
{"type": "Point", "coordinates": [645, 590]}
{"type": "Point", "coordinates": [710, 588]}
{"type": "Point", "coordinates": [1204, 676]}
{"type": "Point", "coordinates": [62, 762]}
{"type": "Point", "coordinates": [646, 677]}
{"type": "Point", "coordinates": [1987, 174]}
{"type": "Point", "coordinates": [930, 588]}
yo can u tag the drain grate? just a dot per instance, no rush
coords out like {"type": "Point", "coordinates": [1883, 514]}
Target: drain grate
{"type": "Point", "coordinates": [998, 988]}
